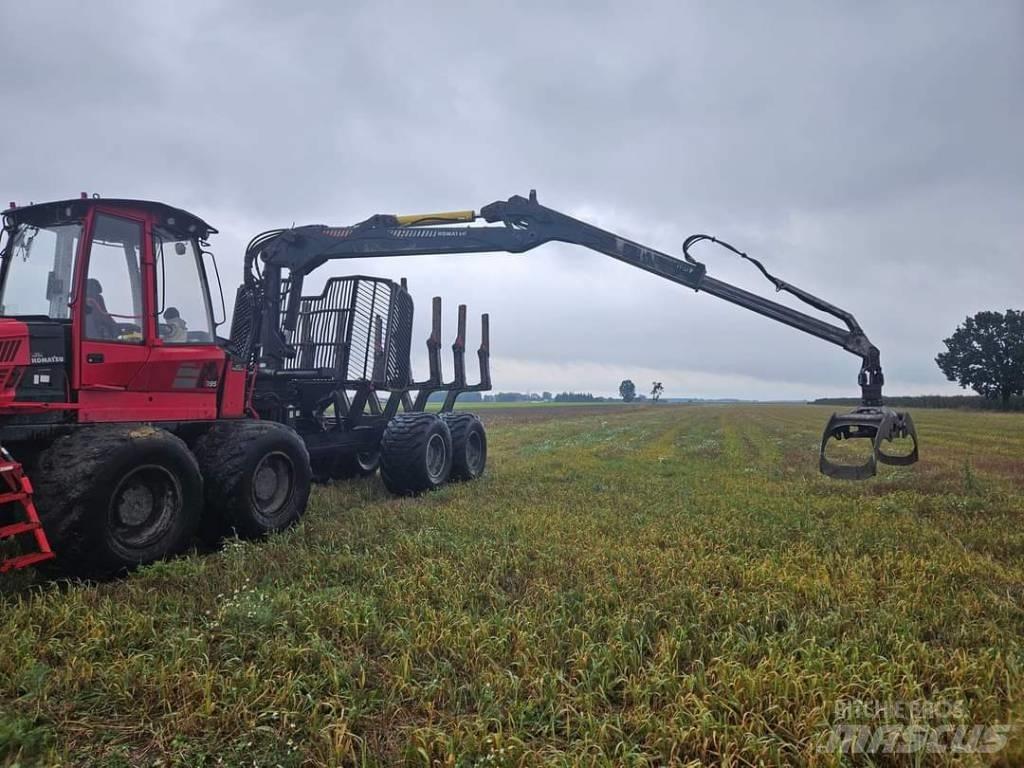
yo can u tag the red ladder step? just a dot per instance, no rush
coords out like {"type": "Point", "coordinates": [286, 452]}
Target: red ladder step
{"type": "Point", "coordinates": [19, 491]}
{"type": "Point", "coordinates": [24, 561]}
{"type": "Point", "coordinates": [16, 529]}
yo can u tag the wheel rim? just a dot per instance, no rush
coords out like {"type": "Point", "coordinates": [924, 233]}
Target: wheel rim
{"type": "Point", "coordinates": [437, 457]}
{"type": "Point", "coordinates": [474, 451]}
{"type": "Point", "coordinates": [368, 461]}
{"type": "Point", "coordinates": [273, 483]}
{"type": "Point", "coordinates": [144, 506]}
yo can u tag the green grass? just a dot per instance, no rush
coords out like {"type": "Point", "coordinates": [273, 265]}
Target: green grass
{"type": "Point", "coordinates": [636, 586]}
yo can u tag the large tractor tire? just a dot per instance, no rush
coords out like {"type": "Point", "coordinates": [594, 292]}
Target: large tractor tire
{"type": "Point", "coordinates": [469, 445]}
{"type": "Point", "coordinates": [112, 497]}
{"type": "Point", "coordinates": [257, 477]}
{"type": "Point", "coordinates": [416, 453]}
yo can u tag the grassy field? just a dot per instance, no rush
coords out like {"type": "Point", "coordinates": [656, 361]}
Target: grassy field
{"type": "Point", "coordinates": [626, 586]}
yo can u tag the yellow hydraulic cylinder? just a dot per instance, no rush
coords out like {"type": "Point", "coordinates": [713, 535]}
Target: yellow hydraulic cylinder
{"type": "Point", "coordinates": [428, 219]}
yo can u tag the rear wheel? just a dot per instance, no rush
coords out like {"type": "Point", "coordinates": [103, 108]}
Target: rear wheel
{"type": "Point", "coordinates": [469, 445]}
{"type": "Point", "coordinates": [416, 453]}
{"type": "Point", "coordinates": [365, 463]}
{"type": "Point", "coordinates": [115, 497]}
{"type": "Point", "coordinates": [257, 477]}
{"type": "Point", "coordinates": [346, 466]}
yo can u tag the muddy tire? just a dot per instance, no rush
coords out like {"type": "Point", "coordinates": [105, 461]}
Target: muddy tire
{"type": "Point", "coordinates": [469, 445]}
{"type": "Point", "coordinates": [257, 477]}
{"type": "Point", "coordinates": [113, 497]}
{"type": "Point", "coordinates": [416, 453]}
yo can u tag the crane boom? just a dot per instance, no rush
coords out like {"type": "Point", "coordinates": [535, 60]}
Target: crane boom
{"type": "Point", "coordinates": [521, 224]}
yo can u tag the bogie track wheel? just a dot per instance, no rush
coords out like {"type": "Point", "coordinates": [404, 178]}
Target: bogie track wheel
{"type": "Point", "coordinates": [469, 445]}
{"type": "Point", "coordinates": [346, 466]}
{"type": "Point", "coordinates": [112, 497]}
{"type": "Point", "coordinates": [416, 453]}
{"type": "Point", "coordinates": [257, 477]}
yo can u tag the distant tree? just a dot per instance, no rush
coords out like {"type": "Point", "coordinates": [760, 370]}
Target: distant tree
{"type": "Point", "coordinates": [628, 390]}
{"type": "Point", "coordinates": [576, 397]}
{"type": "Point", "coordinates": [510, 397]}
{"type": "Point", "coordinates": [546, 396]}
{"type": "Point", "coordinates": [656, 389]}
{"type": "Point", "coordinates": [986, 353]}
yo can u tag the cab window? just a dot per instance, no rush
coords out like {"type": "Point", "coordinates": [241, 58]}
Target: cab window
{"type": "Point", "coordinates": [113, 286]}
{"type": "Point", "coordinates": [182, 298]}
{"type": "Point", "coordinates": [41, 265]}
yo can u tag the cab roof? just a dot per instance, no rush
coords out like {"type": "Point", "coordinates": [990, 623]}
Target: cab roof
{"type": "Point", "coordinates": [178, 221]}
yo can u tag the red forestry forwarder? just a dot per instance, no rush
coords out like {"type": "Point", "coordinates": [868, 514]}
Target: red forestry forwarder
{"type": "Point", "coordinates": [140, 427]}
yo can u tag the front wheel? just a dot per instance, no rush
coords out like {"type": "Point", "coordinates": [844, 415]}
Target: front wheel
{"type": "Point", "coordinates": [118, 496]}
{"type": "Point", "coordinates": [257, 476]}
{"type": "Point", "coordinates": [416, 453]}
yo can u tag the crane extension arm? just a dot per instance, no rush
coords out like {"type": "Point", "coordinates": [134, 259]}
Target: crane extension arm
{"type": "Point", "coordinates": [520, 224]}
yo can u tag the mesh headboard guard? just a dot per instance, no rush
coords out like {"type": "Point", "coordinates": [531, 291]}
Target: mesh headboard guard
{"type": "Point", "coordinates": [243, 325]}
{"type": "Point", "coordinates": [335, 333]}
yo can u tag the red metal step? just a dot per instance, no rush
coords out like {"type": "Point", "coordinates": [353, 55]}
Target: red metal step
{"type": "Point", "coordinates": [24, 561]}
{"type": "Point", "coordinates": [19, 492]}
{"type": "Point", "coordinates": [15, 529]}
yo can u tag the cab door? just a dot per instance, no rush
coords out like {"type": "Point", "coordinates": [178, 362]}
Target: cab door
{"type": "Point", "coordinates": [111, 306]}
{"type": "Point", "coordinates": [185, 365]}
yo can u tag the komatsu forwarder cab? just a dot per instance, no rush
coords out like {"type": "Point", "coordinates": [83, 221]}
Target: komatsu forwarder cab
{"type": "Point", "coordinates": [105, 307]}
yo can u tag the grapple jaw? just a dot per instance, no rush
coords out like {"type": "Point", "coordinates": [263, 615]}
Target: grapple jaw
{"type": "Point", "coordinates": [879, 424]}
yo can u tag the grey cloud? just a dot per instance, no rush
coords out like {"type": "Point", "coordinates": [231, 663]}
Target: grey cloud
{"type": "Point", "coordinates": [870, 153]}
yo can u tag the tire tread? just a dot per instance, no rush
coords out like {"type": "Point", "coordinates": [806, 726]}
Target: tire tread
{"type": "Point", "coordinates": [223, 452]}
{"type": "Point", "coordinates": [460, 423]}
{"type": "Point", "coordinates": [402, 445]}
{"type": "Point", "coordinates": [61, 478]}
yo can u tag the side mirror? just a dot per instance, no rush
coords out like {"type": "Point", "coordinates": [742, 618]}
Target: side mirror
{"type": "Point", "coordinates": [220, 289]}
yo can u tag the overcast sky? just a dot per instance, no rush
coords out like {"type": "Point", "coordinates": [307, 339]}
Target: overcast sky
{"type": "Point", "coordinates": [869, 152]}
